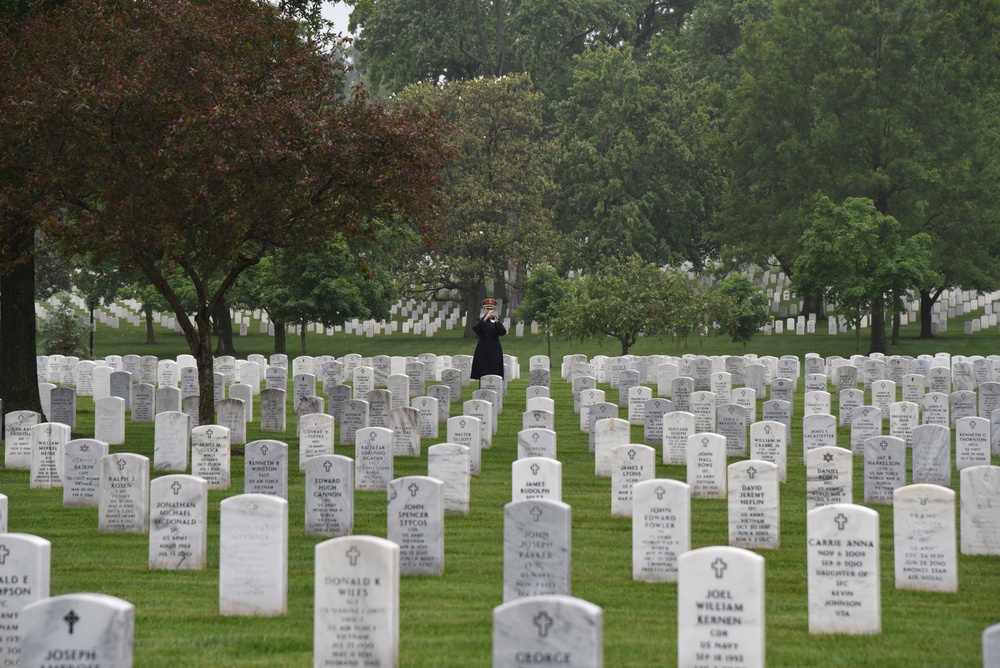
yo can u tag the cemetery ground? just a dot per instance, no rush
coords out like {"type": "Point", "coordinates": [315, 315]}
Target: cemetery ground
{"type": "Point", "coordinates": [447, 620]}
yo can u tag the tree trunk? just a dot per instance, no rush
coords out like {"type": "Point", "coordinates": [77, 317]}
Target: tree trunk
{"type": "Point", "coordinates": [302, 335]}
{"type": "Point", "coordinates": [927, 301]}
{"type": "Point", "coordinates": [878, 341]}
{"type": "Point", "coordinates": [150, 335]}
{"type": "Point", "coordinates": [472, 298]}
{"type": "Point", "coordinates": [224, 327]}
{"type": "Point", "coordinates": [895, 329]}
{"type": "Point", "coordinates": [19, 375]}
{"type": "Point", "coordinates": [206, 368]}
{"type": "Point", "coordinates": [279, 338]}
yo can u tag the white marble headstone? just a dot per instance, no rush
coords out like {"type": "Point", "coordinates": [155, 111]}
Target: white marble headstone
{"type": "Point", "coordinates": [124, 493]}
{"type": "Point", "coordinates": [537, 549]}
{"type": "Point", "coordinates": [356, 612]}
{"type": "Point", "coordinates": [81, 480]}
{"type": "Point", "coordinates": [661, 528]}
{"type": "Point", "coordinates": [548, 630]}
{"type": "Point", "coordinates": [415, 522]}
{"type": "Point", "coordinates": [720, 608]}
{"type": "Point", "coordinates": [25, 562]}
{"type": "Point", "coordinates": [706, 466]}
{"type": "Point", "coordinates": [329, 503]}
{"type": "Point", "coordinates": [66, 628]}
{"type": "Point", "coordinates": [754, 511]}
{"type": "Point", "coordinates": [843, 564]}
{"type": "Point", "coordinates": [449, 463]}
{"type": "Point", "coordinates": [924, 540]}
{"type": "Point", "coordinates": [253, 555]}
{"type": "Point", "coordinates": [980, 510]}
{"type": "Point", "coordinates": [630, 464]}
{"type": "Point", "coordinates": [178, 522]}
{"type": "Point", "coordinates": [829, 477]}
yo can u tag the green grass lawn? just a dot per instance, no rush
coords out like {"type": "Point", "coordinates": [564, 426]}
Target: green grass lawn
{"type": "Point", "coordinates": [446, 621]}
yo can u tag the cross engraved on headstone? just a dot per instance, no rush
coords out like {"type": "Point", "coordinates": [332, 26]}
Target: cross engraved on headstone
{"type": "Point", "coordinates": [263, 449]}
{"type": "Point", "coordinates": [719, 566]}
{"type": "Point", "coordinates": [20, 419]}
{"type": "Point", "coordinates": [767, 430]}
{"type": "Point", "coordinates": [923, 501]}
{"type": "Point", "coordinates": [534, 469]}
{"type": "Point", "coordinates": [544, 623]}
{"type": "Point", "coordinates": [866, 411]}
{"type": "Point", "coordinates": [631, 455]}
{"type": "Point", "coordinates": [414, 488]}
{"type": "Point", "coordinates": [751, 472]}
{"type": "Point", "coordinates": [536, 513]}
{"type": "Point", "coordinates": [704, 442]}
{"type": "Point", "coordinates": [176, 487]}
{"type": "Point", "coordinates": [208, 432]}
{"type": "Point", "coordinates": [884, 446]}
{"type": "Point", "coordinates": [828, 457]}
{"type": "Point", "coordinates": [3, 554]}
{"type": "Point", "coordinates": [461, 423]}
{"type": "Point", "coordinates": [353, 554]}
{"type": "Point", "coordinates": [841, 521]}
{"type": "Point", "coordinates": [372, 436]}
{"type": "Point", "coordinates": [972, 423]}
{"type": "Point", "coordinates": [327, 465]}
{"type": "Point", "coordinates": [535, 437]}
{"type": "Point", "coordinates": [122, 464]}
{"type": "Point", "coordinates": [252, 509]}
{"type": "Point", "coordinates": [731, 409]}
{"type": "Point", "coordinates": [49, 430]}
{"type": "Point", "coordinates": [71, 618]}
{"type": "Point", "coordinates": [536, 415]}
{"type": "Point", "coordinates": [660, 492]}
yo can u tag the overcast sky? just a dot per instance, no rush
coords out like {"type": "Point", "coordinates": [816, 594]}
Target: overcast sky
{"type": "Point", "coordinates": [338, 12]}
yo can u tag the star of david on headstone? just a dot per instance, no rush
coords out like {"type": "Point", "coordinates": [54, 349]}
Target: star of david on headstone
{"type": "Point", "coordinates": [84, 447]}
{"type": "Point", "coordinates": [828, 457]}
{"type": "Point", "coordinates": [841, 521]}
{"type": "Point", "coordinates": [71, 618]}
{"type": "Point", "coordinates": [176, 487]}
{"type": "Point", "coordinates": [543, 622]}
{"type": "Point", "coordinates": [536, 513]}
{"type": "Point", "coordinates": [719, 566]}
{"type": "Point", "coordinates": [353, 555]}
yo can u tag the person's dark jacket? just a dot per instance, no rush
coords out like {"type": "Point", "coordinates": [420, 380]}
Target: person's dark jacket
{"type": "Point", "coordinates": [488, 358]}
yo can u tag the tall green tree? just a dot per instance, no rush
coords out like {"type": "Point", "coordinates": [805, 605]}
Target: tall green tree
{"type": "Point", "coordinates": [740, 308]}
{"type": "Point", "coordinates": [896, 102]}
{"type": "Point", "coordinates": [855, 258]}
{"type": "Point", "coordinates": [633, 164]}
{"type": "Point", "coordinates": [404, 42]}
{"type": "Point", "coordinates": [329, 287]}
{"type": "Point", "coordinates": [544, 292]}
{"type": "Point", "coordinates": [496, 220]}
{"type": "Point", "coordinates": [628, 297]}
{"type": "Point", "coordinates": [249, 144]}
